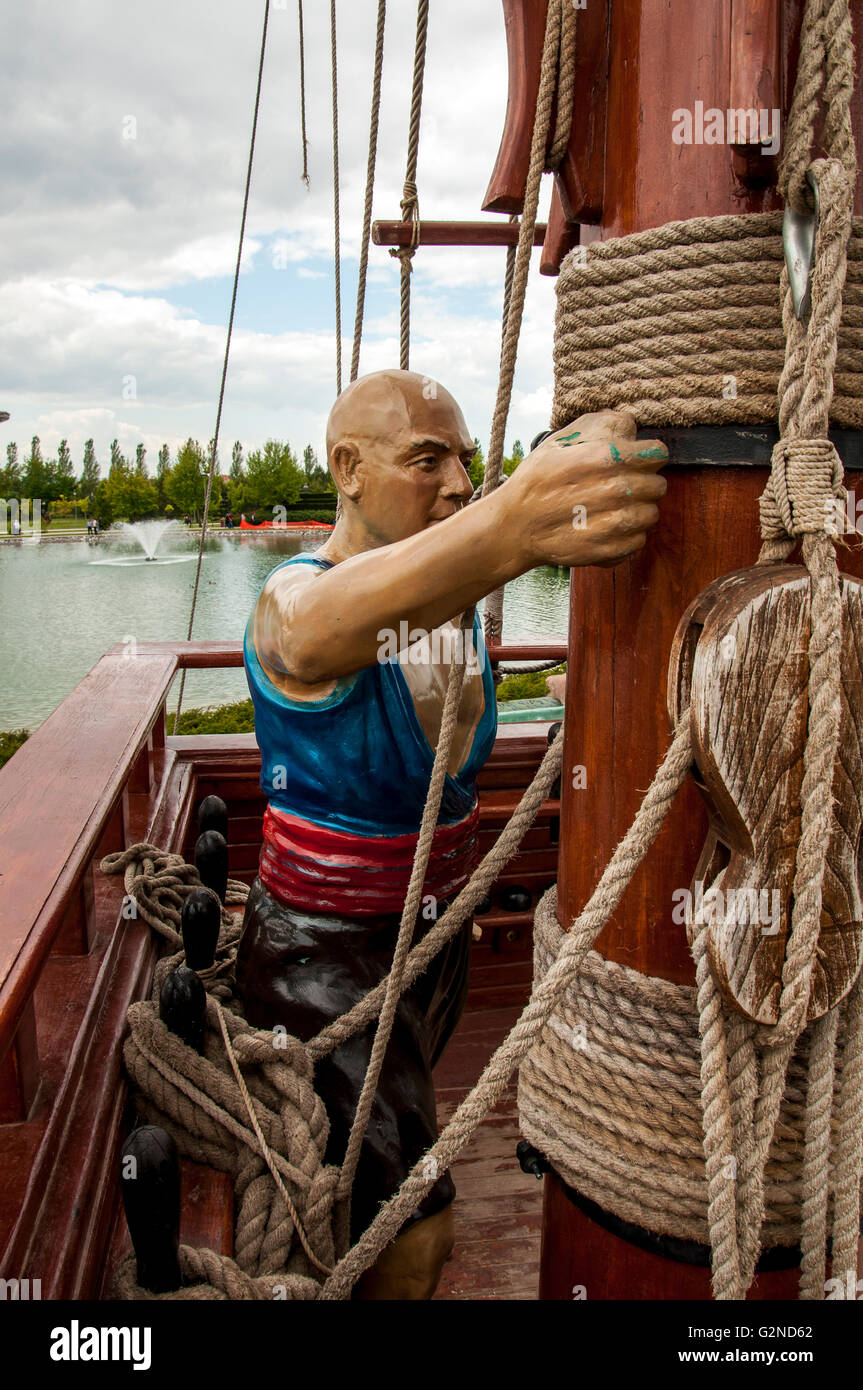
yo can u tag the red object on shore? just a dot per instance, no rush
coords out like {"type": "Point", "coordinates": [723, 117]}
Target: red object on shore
{"type": "Point", "coordinates": [285, 525]}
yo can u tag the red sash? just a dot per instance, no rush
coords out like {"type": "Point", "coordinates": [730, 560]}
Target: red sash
{"type": "Point", "coordinates": [319, 869]}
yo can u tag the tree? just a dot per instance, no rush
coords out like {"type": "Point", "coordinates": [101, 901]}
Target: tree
{"type": "Point", "coordinates": [273, 477]}
{"type": "Point", "coordinates": [102, 505]}
{"type": "Point", "coordinates": [37, 480]}
{"type": "Point", "coordinates": [162, 469]}
{"type": "Point", "coordinates": [310, 461]}
{"type": "Point", "coordinates": [65, 474]}
{"type": "Point", "coordinates": [185, 484]}
{"type": "Point", "coordinates": [130, 493]}
{"type": "Point", "coordinates": [509, 465]}
{"type": "Point", "coordinates": [89, 480]}
{"type": "Point", "coordinates": [236, 478]}
{"type": "Point", "coordinates": [140, 461]}
{"type": "Point", "coordinates": [10, 476]}
{"type": "Point", "coordinates": [476, 467]}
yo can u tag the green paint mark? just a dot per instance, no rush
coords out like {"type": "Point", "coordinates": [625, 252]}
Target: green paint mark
{"type": "Point", "coordinates": [615, 453]}
{"type": "Point", "coordinates": [651, 454]}
{"type": "Point", "coordinates": [576, 434]}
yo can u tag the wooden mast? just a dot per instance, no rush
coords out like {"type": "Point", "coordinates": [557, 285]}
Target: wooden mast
{"type": "Point", "coordinates": [648, 60]}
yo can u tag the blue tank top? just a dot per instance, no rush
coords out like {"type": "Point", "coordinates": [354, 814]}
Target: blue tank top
{"type": "Point", "coordinates": [358, 759]}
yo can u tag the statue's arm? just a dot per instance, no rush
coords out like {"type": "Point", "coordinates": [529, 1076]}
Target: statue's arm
{"type": "Point", "coordinates": [312, 627]}
{"type": "Point", "coordinates": [336, 624]}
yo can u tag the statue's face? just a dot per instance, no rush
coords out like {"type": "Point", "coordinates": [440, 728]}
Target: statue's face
{"type": "Point", "coordinates": [414, 448]}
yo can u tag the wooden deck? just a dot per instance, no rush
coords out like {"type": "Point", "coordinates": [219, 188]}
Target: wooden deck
{"type": "Point", "coordinates": [498, 1208]}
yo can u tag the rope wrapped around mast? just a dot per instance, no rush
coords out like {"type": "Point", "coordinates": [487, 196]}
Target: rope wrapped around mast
{"type": "Point", "coordinates": [664, 324]}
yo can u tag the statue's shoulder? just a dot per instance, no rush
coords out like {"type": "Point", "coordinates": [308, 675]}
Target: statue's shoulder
{"type": "Point", "coordinates": [294, 574]}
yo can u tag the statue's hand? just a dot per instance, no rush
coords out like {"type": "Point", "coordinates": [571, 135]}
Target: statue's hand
{"type": "Point", "coordinates": [587, 495]}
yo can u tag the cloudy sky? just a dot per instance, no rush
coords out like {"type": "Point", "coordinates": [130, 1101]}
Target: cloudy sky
{"type": "Point", "coordinates": [116, 253]}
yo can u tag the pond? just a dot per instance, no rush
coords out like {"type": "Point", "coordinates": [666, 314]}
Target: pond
{"type": "Point", "coordinates": [65, 603]}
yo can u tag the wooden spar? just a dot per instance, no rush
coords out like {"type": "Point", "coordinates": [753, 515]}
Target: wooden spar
{"type": "Point", "coordinates": [579, 180]}
{"type": "Point", "coordinates": [662, 55]}
{"type": "Point", "coordinates": [487, 233]}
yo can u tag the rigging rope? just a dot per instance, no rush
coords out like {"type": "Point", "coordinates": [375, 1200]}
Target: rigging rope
{"type": "Point", "coordinates": [336, 229]}
{"type": "Point", "coordinates": [410, 203]}
{"type": "Point", "coordinates": [370, 187]}
{"type": "Point", "coordinates": [305, 174]}
{"type": "Point", "coordinates": [556, 75]}
{"type": "Point", "coordinates": [215, 441]}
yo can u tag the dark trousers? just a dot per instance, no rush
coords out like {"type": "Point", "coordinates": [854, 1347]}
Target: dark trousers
{"type": "Point", "coordinates": [303, 970]}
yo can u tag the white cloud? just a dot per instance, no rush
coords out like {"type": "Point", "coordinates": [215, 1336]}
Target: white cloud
{"type": "Point", "coordinates": [99, 233]}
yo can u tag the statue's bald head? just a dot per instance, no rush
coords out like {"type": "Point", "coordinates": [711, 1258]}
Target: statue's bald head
{"type": "Point", "coordinates": [398, 448]}
{"type": "Point", "coordinates": [378, 405]}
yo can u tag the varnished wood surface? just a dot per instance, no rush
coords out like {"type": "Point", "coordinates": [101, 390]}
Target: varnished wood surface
{"type": "Point", "coordinates": [623, 623]}
{"type": "Point", "coordinates": [664, 57]}
{"type": "Point", "coordinates": [740, 665]}
{"type": "Point", "coordinates": [488, 233]}
{"type": "Point", "coordinates": [498, 1208]}
{"type": "Point", "coordinates": [525, 29]}
{"type": "Point", "coordinates": [58, 1226]}
{"type": "Point", "coordinates": [581, 1260]}
{"type": "Point", "coordinates": [57, 796]}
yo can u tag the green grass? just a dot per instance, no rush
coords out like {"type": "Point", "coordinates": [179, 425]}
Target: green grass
{"type": "Point", "coordinates": [227, 719]}
{"type": "Point", "coordinates": [10, 743]}
{"type": "Point", "coordinates": [239, 718]}
{"type": "Point", "coordinates": [527, 687]}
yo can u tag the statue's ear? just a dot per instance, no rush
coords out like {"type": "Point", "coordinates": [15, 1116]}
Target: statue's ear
{"type": "Point", "coordinates": [344, 463]}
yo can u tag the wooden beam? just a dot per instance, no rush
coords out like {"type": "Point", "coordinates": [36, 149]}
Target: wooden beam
{"type": "Point", "coordinates": [453, 233]}
{"type": "Point", "coordinates": [754, 82]}
{"type": "Point", "coordinates": [525, 31]}
{"type": "Point", "coordinates": [560, 237]}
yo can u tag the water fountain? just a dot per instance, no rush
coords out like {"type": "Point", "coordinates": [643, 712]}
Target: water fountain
{"type": "Point", "coordinates": [147, 534]}
{"type": "Point", "coordinates": [144, 539]}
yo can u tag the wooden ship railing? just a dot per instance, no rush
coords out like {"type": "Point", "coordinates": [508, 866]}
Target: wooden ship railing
{"type": "Point", "coordinates": [101, 774]}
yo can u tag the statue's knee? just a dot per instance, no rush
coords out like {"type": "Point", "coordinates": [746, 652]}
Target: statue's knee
{"type": "Point", "coordinates": [410, 1268]}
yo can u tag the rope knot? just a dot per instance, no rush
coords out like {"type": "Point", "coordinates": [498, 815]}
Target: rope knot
{"type": "Point", "coordinates": [805, 491]}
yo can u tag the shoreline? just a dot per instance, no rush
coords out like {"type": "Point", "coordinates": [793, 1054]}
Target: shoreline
{"type": "Point", "coordinates": [59, 536]}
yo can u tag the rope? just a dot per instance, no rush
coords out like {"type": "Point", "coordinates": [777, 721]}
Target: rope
{"type": "Point", "coordinates": [755, 1084]}
{"type": "Point", "coordinates": [681, 325]}
{"type": "Point", "coordinates": [370, 187]}
{"type": "Point", "coordinates": [488, 1090]}
{"type": "Point", "coordinates": [612, 1095]}
{"type": "Point", "coordinates": [336, 226]}
{"type": "Point", "coordinates": [410, 202]}
{"type": "Point", "coordinates": [556, 76]}
{"type": "Point", "coordinates": [215, 446]}
{"type": "Point", "coordinates": [264, 1148]}
{"type": "Point", "coordinates": [530, 668]}
{"type": "Point", "coordinates": [394, 982]}
{"type": "Point", "coordinates": [305, 174]}
{"type": "Point", "coordinates": [211, 1277]}
{"type": "Point", "coordinates": [207, 1112]}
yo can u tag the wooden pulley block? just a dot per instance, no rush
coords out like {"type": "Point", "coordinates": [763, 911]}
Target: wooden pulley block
{"type": "Point", "coordinates": [739, 659]}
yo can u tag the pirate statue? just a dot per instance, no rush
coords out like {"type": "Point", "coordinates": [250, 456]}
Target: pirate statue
{"type": "Point", "coordinates": [347, 654]}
